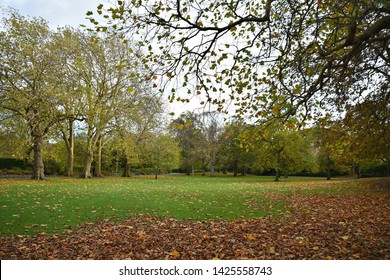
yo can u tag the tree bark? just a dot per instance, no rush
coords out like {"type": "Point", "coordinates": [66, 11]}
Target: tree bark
{"type": "Point", "coordinates": [156, 175]}
{"type": "Point", "coordinates": [328, 168]}
{"type": "Point", "coordinates": [70, 149]}
{"type": "Point", "coordinates": [126, 168]}
{"type": "Point", "coordinates": [358, 172]}
{"type": "Point", "coordinates": [235, 168]}
{"type": "Point", "coordinates": [212, 165]}
{"type": "Point", "coordinates": [98, 162]}
{"type": "Point", "coordinates": [38, 167]}
{"type": "Point", "coordinates": [203, 167]}
{"type": "Point", "coordinates": [88, 164]}
{"type": "Point", "coordinates": [187, 167]}
{"type": "Point", "coordinates": [277, 171]}
{"type": "Point", "coordinates": [277, 175]}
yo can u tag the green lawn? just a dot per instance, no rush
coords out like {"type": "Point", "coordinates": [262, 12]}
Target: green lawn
{"type": "Point", "coordinates": [57, 204]}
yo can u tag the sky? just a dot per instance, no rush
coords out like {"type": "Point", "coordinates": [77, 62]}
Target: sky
{"type": "Point", "coordinates": [58, 13]}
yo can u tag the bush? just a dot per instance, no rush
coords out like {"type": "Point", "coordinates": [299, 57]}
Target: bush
{"type": "Point", "coordinates": [14, 164]}
{"type": "Point", "coordinates": [374, 170]}
{"type": "Point", "coordinates": [52, 167]}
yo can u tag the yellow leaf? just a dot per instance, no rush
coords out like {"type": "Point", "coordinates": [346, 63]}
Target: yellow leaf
{"type": "Point", "coordinates": [250, 237]}
{"type": "Point", "coordinates": [272, 250]}
{"type": "Point", "coordinates": [175, 254]}
{"type": "Point", "coordinates": [345, 237]}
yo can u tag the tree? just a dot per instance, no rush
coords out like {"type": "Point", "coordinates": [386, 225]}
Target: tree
{"type": "Point", "coordinates": [232, 152]}
{"type": "Point", "coordinates": [188, 133]}
{"type": "Point", "coordinates": [273, 58]}
{"type": "Point", "coordinates": [331, 145]}
{"type": "Point", "coordinates": [12, 127]}
{"type": "Point", "coordinates": [211, 130]}
{"type": "Point", "coordinates": [368, 124]}
{"type": "Point", "coordinates": [28, 87]}
{"type": "Point", "coordinates": [280, 148]}
{"type": "Point", "coordinates": [69, 53]}
{"type": "Point", "coordinates": [134, 123]}
{"type": "Point", "coordinates": [161, 152]}
{"type": "Point", "coordinates": [105, 71]}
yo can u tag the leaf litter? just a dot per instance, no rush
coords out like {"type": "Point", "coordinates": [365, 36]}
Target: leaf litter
{"type": "Point", "coordinates": [350, 226]}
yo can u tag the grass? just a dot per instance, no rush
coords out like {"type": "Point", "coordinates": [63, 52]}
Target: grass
{"type": "Point", "coordinates": [57, 204]}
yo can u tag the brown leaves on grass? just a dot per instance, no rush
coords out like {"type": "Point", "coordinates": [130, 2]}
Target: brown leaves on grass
{"type": "Point", "coordinates": [317, 227]}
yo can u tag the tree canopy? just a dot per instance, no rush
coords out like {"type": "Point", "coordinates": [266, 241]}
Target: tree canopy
{"type": "Point", "coordinates": [273, 59]}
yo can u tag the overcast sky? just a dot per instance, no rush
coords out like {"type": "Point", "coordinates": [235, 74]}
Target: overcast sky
{"type": "Point", "coordinates": [57, 12]}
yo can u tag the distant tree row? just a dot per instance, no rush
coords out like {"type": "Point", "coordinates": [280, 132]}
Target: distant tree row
{"type": "Point", "coordinates": [58, 85]}
{"type": "Point", "coordinates": [328, 148]}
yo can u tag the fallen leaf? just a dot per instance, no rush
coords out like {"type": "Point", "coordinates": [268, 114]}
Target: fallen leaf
{"type": "Point", "coordinates": [175, 254]}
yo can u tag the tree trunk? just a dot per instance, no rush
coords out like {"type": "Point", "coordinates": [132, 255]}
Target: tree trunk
{"type": "Point", "coordinates": [70, 150]}
{"type": "Point", "coordinates": [358, 173]}
{"type": "Point", "coordinates": [277, 175]}
{"type": "Point", "coordinates": [187, 167]}
{"type": "Point", "coordinates": [98, 162]}
{"type": "Point", "coordinates": [126, 168]}
{"type": "Point", "coordinates": [235, 168]}
{"type": "Point", "coordinates": [38, 167]}
{"type": "Point", "coordinates": [88, 164]}
{"type": "Point", "coordinates": [328, 173]}
{"type": "Point", "coordinates": [203, 167]}
{"type": "Point", "coordinates": [277, 171]}
{"type": "Point", "coordinates": [328, 168]}
{"type": "Point", "coordinates": [212, 165]}
{"type": "Point", "coordinates": [156, 175]}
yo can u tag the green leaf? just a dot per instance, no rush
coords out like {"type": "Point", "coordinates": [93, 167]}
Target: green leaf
{"type": "Point", "coordinates": [188, 122]}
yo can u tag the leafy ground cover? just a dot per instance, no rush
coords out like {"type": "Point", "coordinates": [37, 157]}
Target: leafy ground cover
{"type": "Point", "coordinates": [195, 218]}
{"type": "Point", "coordinates": [52, 206]}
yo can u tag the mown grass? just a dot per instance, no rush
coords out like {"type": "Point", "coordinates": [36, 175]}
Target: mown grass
{"type": "Point", "coordinates": [57, 204]}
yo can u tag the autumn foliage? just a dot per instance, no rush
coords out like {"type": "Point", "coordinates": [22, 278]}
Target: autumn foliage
{"type": "Point", "coordinates": [318, 226]}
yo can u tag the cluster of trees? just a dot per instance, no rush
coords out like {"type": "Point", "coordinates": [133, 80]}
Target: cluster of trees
{"type": "Point", "coordinates": [327, 148]}
{"type": "Point", "coordinates": [67, 85]}
{"type": "Point", "coordinates": [308, 81]}
{"type": "Point", "coordinates": [297, 63]}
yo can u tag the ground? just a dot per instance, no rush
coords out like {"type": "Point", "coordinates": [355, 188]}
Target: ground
{"type": "Point", "coordinates": [317, 223]}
